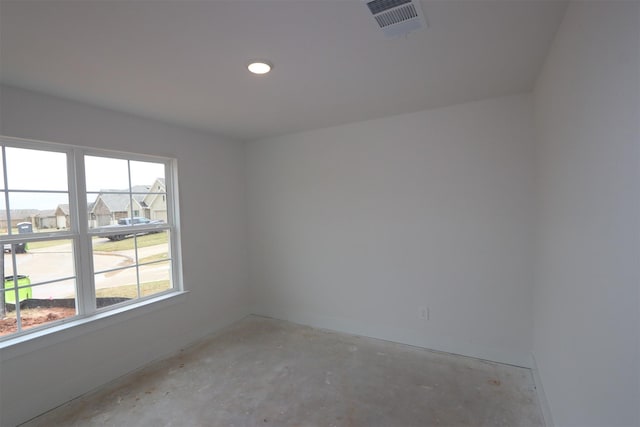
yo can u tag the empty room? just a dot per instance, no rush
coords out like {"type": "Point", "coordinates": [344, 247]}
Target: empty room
{"type": "Point", "coordinates": [391, 213]}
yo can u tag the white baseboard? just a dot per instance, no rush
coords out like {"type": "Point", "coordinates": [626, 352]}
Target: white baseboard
{"type": "Point", "coordinates": [404, 336]}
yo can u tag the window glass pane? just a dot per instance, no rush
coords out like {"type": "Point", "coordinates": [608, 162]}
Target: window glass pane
{"type": "Point", "coordinates": [39, 316]}
{"type": "Point", "coordinates": [104, 174]}
{"type": "Point", "coordinates": [63, 291]}
{"type": "Point", "coordinates": [44, 211]}
{"type": "Point", "coordinates": [1, 170]}
{"type": "Point", "coordinates": [109, 255]}
{"type": "Point", "coordinates": [39, 304]}
{"type": "Point", "coordinates": [8, 260]}
{"type": "Point", "coordinates": [8, 324]}
{"type": "Point", "coordinates": [93, 212]}
{"type": "Point", "coordinates": [36, 170]}
{"type": "Point", "coordinates": [110, 208]}
{"type": "Point", "coordinates": [10, 285]}
{"type": "Point", "coordinates": [115, 261]}
{"type": "Point", "coordinates": [148, 174]}
{"type": "Point", "coordinates": [157, 205]}
{"type": "Point", "coordinates": [116, 286]}
{"type": "Point", "coordinates": [46, 261]}
{"type": "Point", "coordinates": [155, 277]}
{"type": "Point", "coordinates": [11, 249]}
{"type": "Point", "coordinates": [3, 215]}
{"type": "Point", "coordinates": [153, 247]}
{"type": "Point", "coordinates": [49, 303]}
{"type": "Point", "coordinates": [154, 206]}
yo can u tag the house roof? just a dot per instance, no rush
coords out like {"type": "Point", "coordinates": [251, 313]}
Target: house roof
{"type": "Point", "coordinates": [19, 214]}
{"type": "Point", "coordinates": [149, 198]}
{"type": "Point", "coordinates": [64, 208]}
{"type": "Point", "coordinates": [163, 186]}
{"type": "Point", "coordinates": [140, 191]}
{"type": "Point", "coordinates": [47, 213]}
{"type": "Point", "coordinates": [118, 200]}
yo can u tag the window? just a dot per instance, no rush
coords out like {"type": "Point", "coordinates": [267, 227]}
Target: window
{"type": "Point", "coordinates": [59, 203]}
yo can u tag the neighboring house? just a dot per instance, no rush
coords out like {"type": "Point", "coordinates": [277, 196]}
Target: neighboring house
{"type": "Point", "coordinates": [62, 216]}
{"type": "Point", "coordinates": [155, 202]}
{"type": "Point", "coordinates": [106, 209]}
{"type": "Point", "coordinates": [112, 205]}
{"type": "Point", "coordinates": [139, 192]}
{"type": "Point", "coordinates": [17, 216]}
{"type": "Point", "coordinates": [45, 219]}
{"type": "Point", "coordinates": [58, 218]}
{"type": "Point", "coordinates": [148, 201]}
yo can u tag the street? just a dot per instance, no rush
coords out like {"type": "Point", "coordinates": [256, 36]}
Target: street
{"type": "Point", "coordinates": [56, 262]}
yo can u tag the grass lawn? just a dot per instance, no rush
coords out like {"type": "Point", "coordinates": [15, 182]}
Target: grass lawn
{"type": "Point", "coordinates": [143, 241]}
{"type": "Point", "coordinates": [129, 291]}
{"type": "Point", "coordinates": [109, 246]}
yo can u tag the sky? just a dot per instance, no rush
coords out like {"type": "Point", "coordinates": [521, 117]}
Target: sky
{"type": "Point", "coordinates": [47, 171]}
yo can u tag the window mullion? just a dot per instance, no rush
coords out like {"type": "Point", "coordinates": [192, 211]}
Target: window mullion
{"type": "Point", "coordinates": [82, 240]}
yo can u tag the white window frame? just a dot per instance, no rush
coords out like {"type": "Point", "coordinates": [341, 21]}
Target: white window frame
{"type": "Point", "coordinates": [80, 234]}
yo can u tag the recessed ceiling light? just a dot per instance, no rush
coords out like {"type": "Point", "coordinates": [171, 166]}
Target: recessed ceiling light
{"type": "Point", "coordinates": [259, 67]}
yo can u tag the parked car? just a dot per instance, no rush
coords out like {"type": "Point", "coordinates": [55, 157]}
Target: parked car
{"type": "Point", "coordinates": [21, 248]}
{"type": "Point", "coordinates": [135, 221]}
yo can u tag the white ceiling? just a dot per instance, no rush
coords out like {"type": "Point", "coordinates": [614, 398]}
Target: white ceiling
{"type": "Point", "coordinates": [185, 61]}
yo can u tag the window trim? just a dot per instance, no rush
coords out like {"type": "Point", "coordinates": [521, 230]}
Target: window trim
{"type": "Point", "coordinates": [80, 234]}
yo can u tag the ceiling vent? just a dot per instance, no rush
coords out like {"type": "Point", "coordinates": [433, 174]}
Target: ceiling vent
{"type": "Point", "coordinates": [396, 17]}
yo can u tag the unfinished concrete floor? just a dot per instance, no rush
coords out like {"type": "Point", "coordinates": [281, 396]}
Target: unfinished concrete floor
{"type": "Point", "coordinates": [265, 372]}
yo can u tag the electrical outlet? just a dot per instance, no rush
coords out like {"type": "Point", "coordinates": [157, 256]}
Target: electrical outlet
{"type": "Point", "coordinates": [423, 313]}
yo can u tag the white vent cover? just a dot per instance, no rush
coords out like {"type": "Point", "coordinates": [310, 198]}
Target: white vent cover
{"type": "Point", "coordinates": [396, 17]}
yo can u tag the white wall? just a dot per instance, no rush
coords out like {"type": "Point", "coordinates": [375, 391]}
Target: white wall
{"type": "Point", "coordinates": [354, 227]}
{"type": "Point", "coordinates": [587, 327]}
{"type": "Point", "coordinates": [39, 376]}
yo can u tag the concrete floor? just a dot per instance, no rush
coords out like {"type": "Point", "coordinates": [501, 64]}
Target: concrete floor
{"type": "Point", "coordinates": [265, 372]}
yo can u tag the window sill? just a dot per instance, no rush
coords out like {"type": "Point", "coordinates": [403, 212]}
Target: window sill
{"type": "Point", "coordinates": [25, 344]}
